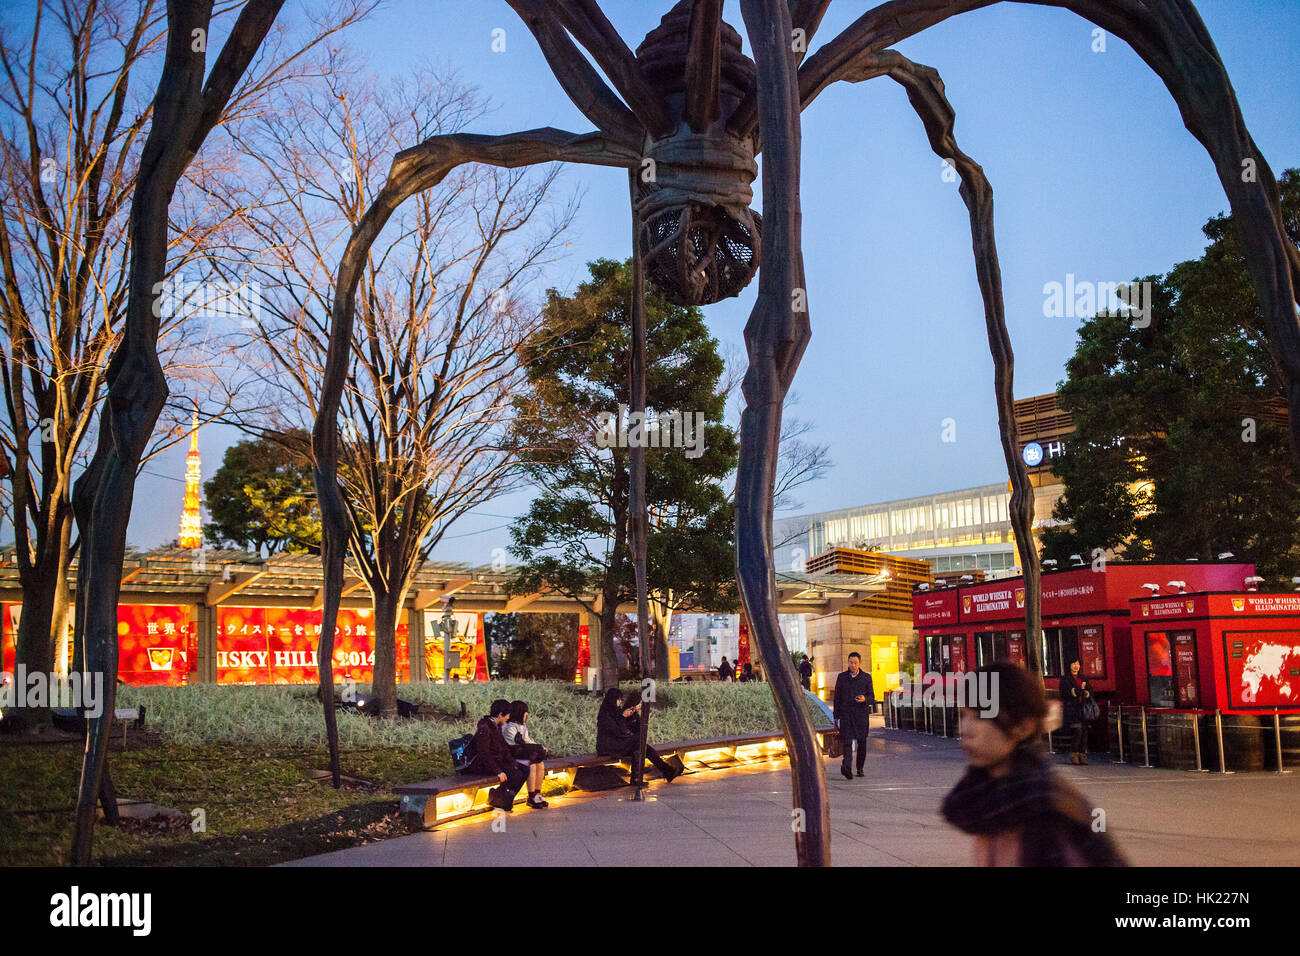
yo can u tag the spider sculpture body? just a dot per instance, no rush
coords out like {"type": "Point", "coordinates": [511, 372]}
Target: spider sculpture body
{"type": "Point", "coordinates": [691, 114]}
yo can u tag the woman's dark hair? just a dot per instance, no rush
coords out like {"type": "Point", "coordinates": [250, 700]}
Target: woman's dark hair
{"type": "Point", "coordinates": [610, 700]}
{"type": "Point", "coordinates": [748, 667]}
{"type": "Point", "coordinates": [517, 711]}
{"type": "Point", "coordinates": [1017, 695]}
{"type": "Point", "coordinates": [631, 699]}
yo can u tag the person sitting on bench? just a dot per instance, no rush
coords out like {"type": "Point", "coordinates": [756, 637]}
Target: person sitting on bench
{"type": "Point", "coordinates": [618, 731]}
{"type": "Point", "coordinates": [528, 753]}
{"type": "Point", "coordinates": [493, 758]}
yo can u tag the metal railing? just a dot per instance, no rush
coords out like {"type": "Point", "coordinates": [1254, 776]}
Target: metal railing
{"type": "Point", "coordinates": [1191, 739]}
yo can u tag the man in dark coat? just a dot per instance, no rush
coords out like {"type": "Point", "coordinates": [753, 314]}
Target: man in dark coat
{"type": "Point", "coordinates": [806, 673]}
{"type": "Point", "coordinates": [854, 697]}
{"type": "Point", "coordinates": [492, 757]}
{"type": "Point", "coordinates": [725, 671]}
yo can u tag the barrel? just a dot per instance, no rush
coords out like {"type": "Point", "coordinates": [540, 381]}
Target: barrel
{"type": "Point", "coordinates": [1133, 737]}
{"type": "Point", "coordinates": [1244, 742]}
{"type": "Point", "coordinates": [1176, 740]}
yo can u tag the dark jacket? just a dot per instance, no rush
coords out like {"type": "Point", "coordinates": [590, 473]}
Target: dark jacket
{"type": "Point", "coordinates": [1050, 820]}
{"type": "Point", "coordinates": [1074, 691]}
{"type": "Point", "coordinates": [725, 670]}
{"type": "Point", "coordinates": [615, 734]}
{"type": "Point", "coordinates": [491, 754]}
{"type": "Point", "coordinates": [805, 674]}
{"type": "Point", "coordinates": [847, 687]}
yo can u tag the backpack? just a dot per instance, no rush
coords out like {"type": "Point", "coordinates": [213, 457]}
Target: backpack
{"type": "Point", "coordinates": [462, 752]}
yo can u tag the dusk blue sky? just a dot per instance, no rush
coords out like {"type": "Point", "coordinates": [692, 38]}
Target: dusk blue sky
{"type": "Point", "coordinates": [1092, 170]}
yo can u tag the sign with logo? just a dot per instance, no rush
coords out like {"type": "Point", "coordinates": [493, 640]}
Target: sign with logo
{"type": "Point", "coordinates": [1227, 605]}
{"type": "Point", "coordinates": [934, 607]}
{"type": "Point", "coordinates": [1032, 454]}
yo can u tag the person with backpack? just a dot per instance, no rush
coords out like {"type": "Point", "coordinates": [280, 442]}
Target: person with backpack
{"type": "Point", "coordinates": [527, 752]}
{"type": "Point", "coordinates": [492, 758]}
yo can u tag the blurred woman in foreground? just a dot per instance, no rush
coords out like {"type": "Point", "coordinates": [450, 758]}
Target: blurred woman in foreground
{"type": "Point", "coordinates": [1020, 812]}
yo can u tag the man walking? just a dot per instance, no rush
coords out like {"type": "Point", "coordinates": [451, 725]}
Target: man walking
{"type": "Point", "coordinates": [806, 673]}
{"type": "Point", "coordinates": [492, 757]}
{"type": "Point", "coordinates": [854, 697]}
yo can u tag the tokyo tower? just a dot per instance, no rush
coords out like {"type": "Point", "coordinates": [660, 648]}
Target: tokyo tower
{"type": "Point", "coordinates": [191, 523]}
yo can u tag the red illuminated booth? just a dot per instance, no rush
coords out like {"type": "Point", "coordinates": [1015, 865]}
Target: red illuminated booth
{"type": "Point", "coordinates": [1085, 616]}
{"type": "Point", "coordinates": [1228, 651]}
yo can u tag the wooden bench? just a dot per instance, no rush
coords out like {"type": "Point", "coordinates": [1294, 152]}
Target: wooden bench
{"type": "Point", "coordinates": [430, 803]}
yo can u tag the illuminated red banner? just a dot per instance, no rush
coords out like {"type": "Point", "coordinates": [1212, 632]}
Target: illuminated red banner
{"type": "Point", "coordinates": [277, 645]}
{"type": "Point", "coordinates": [584, 652]}
{"type": "Point", "coordinates": [742, 655]}
{"type": "Point", "coordinates": [1230, 605]}
{"type": "Point", "coordinates": [156, 643]}
{"type": "Point", "coordinates": [10, 637]}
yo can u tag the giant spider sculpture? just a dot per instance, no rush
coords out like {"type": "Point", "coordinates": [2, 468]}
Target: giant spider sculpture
{"type": "Point", "coordinates": [691, 114]}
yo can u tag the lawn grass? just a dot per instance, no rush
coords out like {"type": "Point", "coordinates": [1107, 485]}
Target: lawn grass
{"type": "Point", "coordinates": [243, 755]}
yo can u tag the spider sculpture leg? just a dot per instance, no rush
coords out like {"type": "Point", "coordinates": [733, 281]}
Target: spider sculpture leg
{"type": "Point", "coordinates": [775, 337]}
{"type": "Point", "coordinates": [925, 91]}
{"type": "Point", "coordinates": [1170, 36]}
{"type": "Point", "coordinates": [414, 170]}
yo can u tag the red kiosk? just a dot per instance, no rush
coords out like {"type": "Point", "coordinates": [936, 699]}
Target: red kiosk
{"type": "Point", "coordinates": [1215, 665]}
{"type": "Point", "coordinates": [1085, 615]}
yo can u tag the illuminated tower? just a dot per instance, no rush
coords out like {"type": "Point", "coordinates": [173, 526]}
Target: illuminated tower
{"type": "Point", "coordinates": [191, 523]}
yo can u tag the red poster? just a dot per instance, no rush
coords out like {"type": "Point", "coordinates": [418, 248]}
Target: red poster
{"type": "Point", "coordinates": [1186, 678]}
{"type": "Point", "coordinates": [584, 652]}
{"type": "Point", "coordinates": [742, 655]}
{"type": "Point", "coordinates": [277, 645]}
{"type": "Point", "coordinates": [957, 656]}
{"type": "Point", "coordinates": [1016, 648]}
{"type": "Point", "coordinates": [469, 647]}
{"type": "Point", "coordinates": [10, 638]}
{"type": "Point", "coordinates": [1264, 668]}
{"type": "Point", "coordinates": [1092, 651]}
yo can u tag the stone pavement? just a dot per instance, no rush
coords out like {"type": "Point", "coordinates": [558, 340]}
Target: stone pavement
{"type": "Point", "coordinates": [742, 817]}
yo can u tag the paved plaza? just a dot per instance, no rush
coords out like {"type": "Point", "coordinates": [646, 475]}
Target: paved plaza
{"type": "Point", "coordinates": [741, 817]}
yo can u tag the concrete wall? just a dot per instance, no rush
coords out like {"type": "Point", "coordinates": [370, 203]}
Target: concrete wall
{"type": "Point", "coordinates": [833, 637]}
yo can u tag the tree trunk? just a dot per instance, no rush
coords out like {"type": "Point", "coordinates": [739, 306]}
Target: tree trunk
{"type": "Point", "coordinates": [608, 657]}
{"type": "Point", "coordinates": [34, 644]}
{"type": "Point", "coordinates": [388, 607]}
{"type": "Point", "coordinates": [775, 337]}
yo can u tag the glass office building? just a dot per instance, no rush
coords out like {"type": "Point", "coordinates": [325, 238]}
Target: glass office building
{"type": "Point", "coordinates": [956, 530]}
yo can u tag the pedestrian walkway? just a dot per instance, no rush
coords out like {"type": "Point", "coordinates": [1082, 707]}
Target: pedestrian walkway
{"type": "Point", "coordinates": [742, 817]}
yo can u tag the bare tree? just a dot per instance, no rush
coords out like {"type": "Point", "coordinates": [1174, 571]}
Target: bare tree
{"type": "Point", "coordinates": [71, 127]}
{"type": "Point", "coordinates": [442, 314]}
{"type": "Point", "coordinates": [189, 103]}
